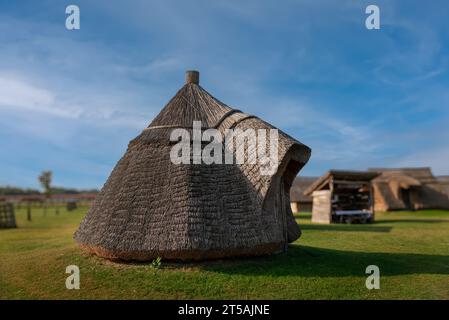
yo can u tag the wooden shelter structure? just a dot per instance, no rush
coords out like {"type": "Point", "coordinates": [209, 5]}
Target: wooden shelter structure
{"type": "Point", "coordinates": [150, 207]}
{"type": "Point", "coordinates": [7, 215]}
{"type": "Point", "coordinates": [299, 201]}
{"type": "Point", "coordinates": [408, 189]}
{"type": "Point", "coordinates": [343, 196]}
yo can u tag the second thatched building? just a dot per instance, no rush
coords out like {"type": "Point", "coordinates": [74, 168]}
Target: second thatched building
{"type": "Point", "coordinates": [409, 189]}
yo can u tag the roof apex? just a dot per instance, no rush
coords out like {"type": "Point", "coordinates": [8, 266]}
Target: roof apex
{"type": "Point", "coordinates": [191, 103]}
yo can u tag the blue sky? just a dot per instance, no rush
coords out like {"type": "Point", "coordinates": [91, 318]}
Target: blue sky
{"type": "Point", "coordinates": [71, 100]}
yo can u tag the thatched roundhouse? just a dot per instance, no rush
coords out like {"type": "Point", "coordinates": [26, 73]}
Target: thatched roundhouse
{"type": "Point", "coordinates": [150, 207]}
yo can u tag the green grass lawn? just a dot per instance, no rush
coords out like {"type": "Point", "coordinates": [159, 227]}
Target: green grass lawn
{"type": "Point", "coordinates": [327, 262]}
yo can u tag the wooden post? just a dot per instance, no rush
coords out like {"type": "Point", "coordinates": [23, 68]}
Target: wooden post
{"type": "Point", "coordinates": [29, 212]}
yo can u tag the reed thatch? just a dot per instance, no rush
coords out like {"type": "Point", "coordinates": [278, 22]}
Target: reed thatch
{"type": "Point", "coordinates": [444, 182]}
{"type": "Point", "coordinates": [150, 207]}
{"type": "Point", "coordinates": [408, 189]}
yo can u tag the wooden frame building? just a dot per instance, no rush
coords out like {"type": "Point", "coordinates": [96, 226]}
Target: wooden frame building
{"type": "Point", "coordinates": [343, 197]}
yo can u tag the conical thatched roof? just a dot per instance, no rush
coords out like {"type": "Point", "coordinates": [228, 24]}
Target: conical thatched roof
{"type": "Point", "coordinates": [150, 207]}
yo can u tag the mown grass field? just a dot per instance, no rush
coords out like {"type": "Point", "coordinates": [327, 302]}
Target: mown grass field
{"type": "Point", "coordinates": [328, 262]}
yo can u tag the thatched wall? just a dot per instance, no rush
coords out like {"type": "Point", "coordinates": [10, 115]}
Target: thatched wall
{"type": "Point", "coordinates": [444, 182]}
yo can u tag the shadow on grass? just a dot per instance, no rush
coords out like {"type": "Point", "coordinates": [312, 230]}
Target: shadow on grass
{"type": "Point", "coordinates": [343, 227]}
{"type": "Point", "coordinates": [307, 261]}
{"type": "Point", "coordinates": [410, 221]}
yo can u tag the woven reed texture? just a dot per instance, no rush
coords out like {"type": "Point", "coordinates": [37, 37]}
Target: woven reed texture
{"type": "Point", "coordinates": [150, 207]}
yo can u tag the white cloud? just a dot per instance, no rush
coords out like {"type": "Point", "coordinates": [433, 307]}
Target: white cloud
{"type": "Point", "coordinates": [334, 138]}
{"type": "Point", "coordinates": [18, 95]}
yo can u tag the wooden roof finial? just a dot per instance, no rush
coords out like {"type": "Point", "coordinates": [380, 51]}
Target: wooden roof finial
{"type": "Point", "coordinates": [192, 76]}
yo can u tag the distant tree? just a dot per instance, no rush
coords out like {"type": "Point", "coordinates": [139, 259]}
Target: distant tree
{"type": "Point", "coordinates": [62, 190]}
{"type": "Point", "coordinates": [10, 190]}
{"type": "Point", "coordinates": [45, 181]}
